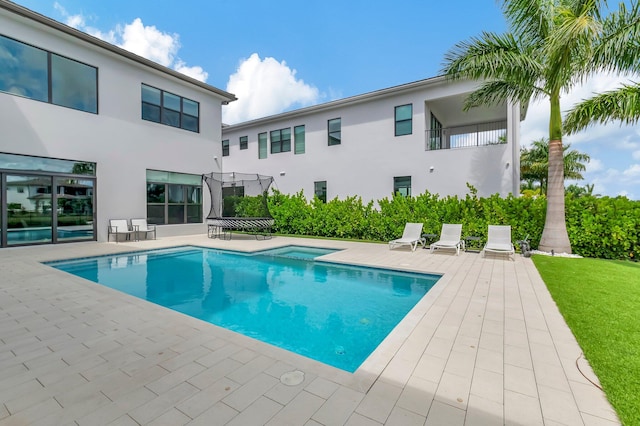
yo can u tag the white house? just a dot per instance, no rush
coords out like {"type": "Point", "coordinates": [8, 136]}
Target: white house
{"type": "Point", "coordinates": [406, 139]}
{"type": "Point", "coordinates": [90, 132]}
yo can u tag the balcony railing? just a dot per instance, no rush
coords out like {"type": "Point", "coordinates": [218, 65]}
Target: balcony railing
{"type": "Point", "coordinates": [482, 134]}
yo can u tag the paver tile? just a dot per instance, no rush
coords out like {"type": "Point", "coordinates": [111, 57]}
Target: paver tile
{"type": "Point", "coordinates": [486, 345]}
{"type": "Point", "coordinates": [298, 411]}
{"type": "Point", "coordinates": [339, 407]}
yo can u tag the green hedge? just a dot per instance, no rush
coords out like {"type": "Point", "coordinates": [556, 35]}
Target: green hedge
{"type": "Point", "coordinates": [600, 227]}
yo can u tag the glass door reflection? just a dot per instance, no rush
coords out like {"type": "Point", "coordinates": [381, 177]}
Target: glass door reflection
{"type": "Point", "coordinates": [29, 212]}
{"type": "Point", "coordinates": [74, 213]}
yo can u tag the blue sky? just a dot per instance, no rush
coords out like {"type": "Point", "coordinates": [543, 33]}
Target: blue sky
{"type": "Point", "coordinates": [278, 56]}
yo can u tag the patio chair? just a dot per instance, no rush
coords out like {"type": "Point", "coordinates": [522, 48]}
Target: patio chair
{"type": "Point", "coordinates": [119, 227]}
{"type": "Point", "coordinates": [450, 238]}
{"type": "Point", "coordinates": [140, 226]}
{"type": "Point", "coordinates": [411, 236]}
{"type": "Point", "coordinates": [499, 240]}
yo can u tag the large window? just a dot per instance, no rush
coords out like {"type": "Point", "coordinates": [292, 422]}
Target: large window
{"type": "Point", "coordinates": [404, 120]}
{"type": "Point", "coordinates": [173, 110]}
{"type": "Point", "coordinates": [320, 190]}
{"type": "Point", "coordinates": [173, 198]}
{"type": "Point", "coordinates": [45, 200]}
{"type": "Point", "coordinates": [335, 131]}
{"type": "Point", "coordinates": [281, 140]}
{"type": "Point", "coordinates": [262, 145]}
{"type": "Point", "coordinates": [298, 136]}
{"type": "Point", "coordinates": [225, 148]}
{"type": "Point", "coordinates": [244, 142]}
{"type": "Point", "coordinates": [402, 185]}
{"type": "Point", "coordinates": [45, 76]}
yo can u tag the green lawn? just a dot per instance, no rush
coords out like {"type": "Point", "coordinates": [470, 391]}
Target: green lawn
{"type": "Point", "coordinates": [600, 300]}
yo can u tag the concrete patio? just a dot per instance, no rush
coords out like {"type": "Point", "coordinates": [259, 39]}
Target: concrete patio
{"type": "Point", "coordinates": [486, 346]}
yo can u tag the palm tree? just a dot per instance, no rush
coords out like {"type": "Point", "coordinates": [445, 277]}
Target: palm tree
{"type": "Point", "coordinates": [552, 45]}
{"type": "Point", "coordinates": [534, 163]}
{"type": "Point", "coordinates": [621, 49]}
{"type": "Point", "coordinates": [622, 104]}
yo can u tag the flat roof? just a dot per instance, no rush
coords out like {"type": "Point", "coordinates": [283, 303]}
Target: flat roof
{"type": "Point", "coordinates": [56, 25]}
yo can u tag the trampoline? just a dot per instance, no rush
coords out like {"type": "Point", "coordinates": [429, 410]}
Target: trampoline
{"type": "Point", "coordinates": [238, 203]}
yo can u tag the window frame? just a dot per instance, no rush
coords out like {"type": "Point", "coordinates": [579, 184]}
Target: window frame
{"type": "Point", "coordinates": [281, 144]}
{"type": "Point", "coordinates": [165, 110]}
{"type": "Point", "coordinates": [243, 141]}
{"type": "Point", "coordinates": [398, 123]}
{"type": "Point", "coordinates": [397, 187]}
{"type": "Point", "coordinates": [331, 135]}
{"type": "Point", "coordinates": [263, 145]}
{"type": "Point", "coordinates": [299, 139]}
{"type": "Point", "coordinates": [50, 72]}
{"type": "Point", "coordinates": [321, 192]}
{"type": "Point", "coordinates": [186, 203]}
{"type": "Point", "coordinates": [225, 148]}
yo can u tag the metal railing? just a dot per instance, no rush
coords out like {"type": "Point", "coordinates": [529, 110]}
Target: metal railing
{"type": "Point", "coordinates": [471, 135]}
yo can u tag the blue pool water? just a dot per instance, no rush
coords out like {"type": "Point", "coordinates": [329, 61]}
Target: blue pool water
{"type": "Point", "coordinates": [298, 252]}
{"type": "Point", "coordinates": [336, 314]}
{"type": "Point", "coordinates": [27, 235]}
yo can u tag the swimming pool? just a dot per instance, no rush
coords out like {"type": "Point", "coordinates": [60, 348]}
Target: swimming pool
{"type": "Point", "coordinates": [337, 314]}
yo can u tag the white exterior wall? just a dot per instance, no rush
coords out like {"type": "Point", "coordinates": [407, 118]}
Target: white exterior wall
{"type": "Point", "coordinates": [370, 156]}
{"type": "Point", "coordinates": [122, 144]}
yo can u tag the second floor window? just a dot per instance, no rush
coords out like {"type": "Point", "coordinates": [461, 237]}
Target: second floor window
{"type": "Point", "coordinates": [170, 109]}
{"type": "Point", "coordinates": [281, 140]}
{"type": "Point", "coordinates": [299, 139]}
{"type": "Point", "coordinates": [335, 131]}
{"type": "Point", "coordinates": [37, 74]}
{"type": "Point", "coordinates": [244, 142]}
{"type": "Point", "coordinates": [262, 145]}
{"type": "Point", "coordinates": [225, 148]}
{"type": "Point", "coordinates": [404, 120]}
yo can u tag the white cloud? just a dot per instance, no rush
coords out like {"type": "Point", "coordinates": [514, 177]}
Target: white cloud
{"type": "Point", "coordinates": [146, 41]}
{"type": "Point", "coordinates": [632, 172]}
{"type": "Point", "coordinates": [265, 87]}
{"type": "Point", "coordinates": [594, 165]}
{"type": "Point", "coordinates": [196, 72]}
{"type": "Point", "coordinates": [149, 42]}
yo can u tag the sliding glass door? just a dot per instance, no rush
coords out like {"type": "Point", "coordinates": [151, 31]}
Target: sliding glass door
{"type": "Point", "coordinates": [44, 200]}
{"type": "Point", "coordinates": [29, 213]}
{"type": "Point", "coordinates": [74, 212]}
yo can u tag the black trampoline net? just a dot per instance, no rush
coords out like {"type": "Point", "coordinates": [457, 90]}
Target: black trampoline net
{"type": "Point", "coordinates": [238, 194]}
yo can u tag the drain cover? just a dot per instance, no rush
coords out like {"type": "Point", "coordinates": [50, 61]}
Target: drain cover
{"type": "Point", "coordinates": [292, 378]}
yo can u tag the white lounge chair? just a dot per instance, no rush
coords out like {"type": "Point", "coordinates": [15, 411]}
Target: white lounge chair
{"type": "Point", "coordinates": [499, 240]}
{"type": "Point", "coordinates": [411, 236]}
{"type": "Point", "coordinates": [450, 238]}
{"type": "Point", "coordinates": [119, 227]}
{"type": "Point", "coordinates": [140, 226]}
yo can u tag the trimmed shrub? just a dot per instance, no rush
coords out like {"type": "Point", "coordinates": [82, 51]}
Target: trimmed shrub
{"type": "Point", "coordinates": [601, 227]}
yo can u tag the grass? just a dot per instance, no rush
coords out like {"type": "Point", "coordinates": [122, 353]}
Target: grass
{"type": "Point", "coordinates": [600, 301]}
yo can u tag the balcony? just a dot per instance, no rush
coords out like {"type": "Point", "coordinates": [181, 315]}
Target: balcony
{"type": "Point", "coordinates": [472, 135]}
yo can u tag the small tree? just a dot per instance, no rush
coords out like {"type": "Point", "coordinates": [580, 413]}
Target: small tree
{"type": "Point", "coordinates": [534, 164]}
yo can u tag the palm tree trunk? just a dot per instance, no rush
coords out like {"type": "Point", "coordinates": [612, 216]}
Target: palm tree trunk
{"type": "Point", "coordinates": [554, 235]}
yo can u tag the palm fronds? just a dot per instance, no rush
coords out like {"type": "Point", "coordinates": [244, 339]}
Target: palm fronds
{"type": "Point", "coordinates": [622, 104]}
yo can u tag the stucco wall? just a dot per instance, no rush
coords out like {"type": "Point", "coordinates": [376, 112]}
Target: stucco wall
{"type": "Point", "coordinates": [370, 156]}
{"type": "Point", "coordinates": [122, 144]}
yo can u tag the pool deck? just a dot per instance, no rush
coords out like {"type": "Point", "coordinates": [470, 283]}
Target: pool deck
{"type": "Point", "coordinates": [486, 346]}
